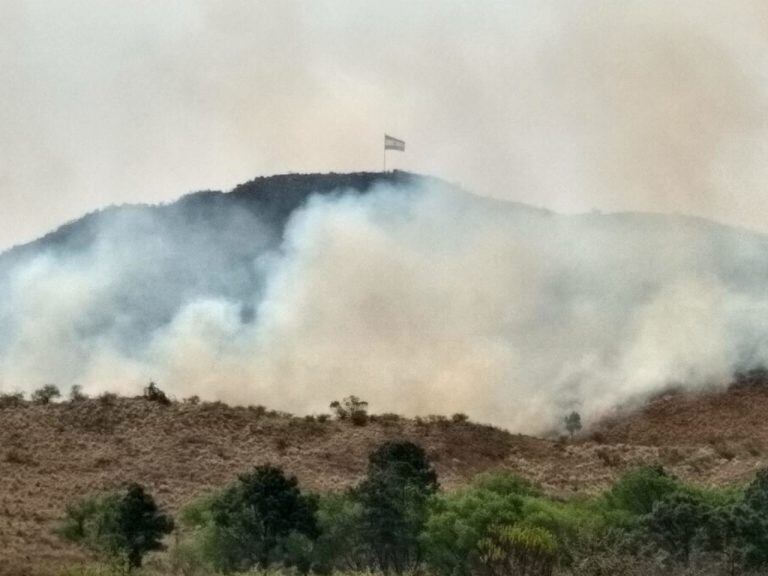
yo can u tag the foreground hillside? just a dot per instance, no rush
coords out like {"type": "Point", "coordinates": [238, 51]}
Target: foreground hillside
{"type": "Point", "coordinates": [54, 454]}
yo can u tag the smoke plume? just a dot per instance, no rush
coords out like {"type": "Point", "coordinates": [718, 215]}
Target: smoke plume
{"type": "Point", "coordinates": [420, 299]}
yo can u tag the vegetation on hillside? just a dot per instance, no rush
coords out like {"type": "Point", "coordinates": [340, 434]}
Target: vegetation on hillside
{"type": "Point", "coordinates": [397, 520]}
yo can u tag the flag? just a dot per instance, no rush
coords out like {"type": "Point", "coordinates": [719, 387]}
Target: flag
{"type": "Point", "coordinates": [393, 143]}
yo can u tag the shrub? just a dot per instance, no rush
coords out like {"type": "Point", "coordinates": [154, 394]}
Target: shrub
{"type": "Point", "coordinates": [76, 394]}
{"type": "Point", "coordinates": [505, 483]}
{"type": "Point", "coordinates": [638, 490]}
{"type": "Point", "coordinates": [518, 550]}
{"type": "Point", "coordinates": [458, 521]}
{"type": "Point", "coordinates": [152, 393]}
{"type": "Point", "coordinates": [16, 456]}
{"type": "Point", "coordinates": [11, 400]}
{"type": "Point", "coordinates": [123, 525]}
{"type": "Point", "coordinates": [257, 410]}
{"type": "Point", "coordinates": [107, 398]}
{"type": "Point", "coordinates": [351, 408]}
{"type": "Point", "coordinates": [608, 457]}
{"type": "Point", "coordinates": [388, 418]}
{"type": "Point", "coordinates": [193, 400]}
{"type": "Point", "coordinates": [45, 394]}
{"type": "Point", "coordinates": [459, 418]}
{"type": "Point", "coordinates": [359, 418]}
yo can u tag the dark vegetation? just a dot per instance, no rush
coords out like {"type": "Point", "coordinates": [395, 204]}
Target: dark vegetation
{"type": "Point", "coordinates": [397, 520]}
{"type": "Point", "coordinates": [122, 525]}
{"type": "Point", "coordinates": [351, 408]}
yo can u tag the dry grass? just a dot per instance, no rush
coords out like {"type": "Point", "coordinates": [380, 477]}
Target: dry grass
{"type": "Point", "coordinates": [52, 455]}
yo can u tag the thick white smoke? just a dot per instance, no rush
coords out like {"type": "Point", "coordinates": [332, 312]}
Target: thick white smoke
{"type": "Point", "coordinates": [420, 300]}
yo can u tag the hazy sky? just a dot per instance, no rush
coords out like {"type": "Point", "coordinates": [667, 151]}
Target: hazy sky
{"type": "Point", "coordinates": [620, 105]}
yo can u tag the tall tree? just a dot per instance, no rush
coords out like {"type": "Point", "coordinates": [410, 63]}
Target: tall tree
{"type": "Point", "coordinates": [394, 498]}
{"type": "Point", "coordinates": [254, 519]}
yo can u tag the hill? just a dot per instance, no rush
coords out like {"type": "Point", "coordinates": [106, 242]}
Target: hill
{"type": "Point", "coordinates": [292, 288]}
{"type": "Point", "coordinates": [727, 420]}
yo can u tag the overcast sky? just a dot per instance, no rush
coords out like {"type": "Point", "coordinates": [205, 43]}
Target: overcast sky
{"type": "Point", "coordinates": [615, 105]}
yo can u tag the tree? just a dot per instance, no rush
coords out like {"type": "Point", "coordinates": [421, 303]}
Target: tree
{"type": "Point", "coordinates": [153, 393]}
{"type": "Point", "coordinates": [353, 409]}
{"type": "Point", "coordinates": [394, 497]}
{"type": "Point", "coordinates": [340, 547]}
{"type": "Point", "coordinates": [45, 394]}
{"type": "Point", "coordinates": [76, 394]}
{"type": "Point", "coordinates": [676, 522]}
{"type": "Point", "coordinates": [573, 423]}
{"type": "Point", "coordinates": [259, 518]}
{"type": "Point", "coordinates": [123, 525]}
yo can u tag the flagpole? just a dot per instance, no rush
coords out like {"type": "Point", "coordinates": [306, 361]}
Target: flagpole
{"type": "Point", "coordinates": [385, 157]}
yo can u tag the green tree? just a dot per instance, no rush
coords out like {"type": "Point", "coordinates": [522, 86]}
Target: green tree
{"type": "Point", "coordinates": [394, 497]}
{"type": "Point", "coordinates": [258, 520]}
{"type": "Point", "coordinates": [340, 547]}
{"type": "Point", "coordinates": [677, 521]}
{"type": "Point", "coordinates": [124, 525]}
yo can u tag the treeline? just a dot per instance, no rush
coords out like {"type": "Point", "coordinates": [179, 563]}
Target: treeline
{"type": "Point", "coordinates": [398, 520]}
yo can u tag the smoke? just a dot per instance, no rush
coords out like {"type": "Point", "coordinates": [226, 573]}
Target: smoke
{"type": "Point", "coordinates": [420, 299]}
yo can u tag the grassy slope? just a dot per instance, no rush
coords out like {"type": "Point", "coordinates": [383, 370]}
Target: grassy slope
{"type": "Point", "coordinates": [51, 455]}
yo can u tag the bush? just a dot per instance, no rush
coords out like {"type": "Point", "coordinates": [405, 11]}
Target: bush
{"type": "Point", "coordinates": [107, 398]}
{"type": "Point", "coordinates": [638, 490]}
{"type": "Point", "coordinates": [459, 418]}
{"type": "Point", "coordinates": [45, 395]}
{"type": "Point", "coordinates": [76, 394]}
{"type": "Point", "coordinates": [152, 393]}
{"type": "Point", "coordinates": [11, 400]}
{"type": "Point", "coordinates": [123, 525]}
{"type": "Point", "coordinates": [458, 521]}
{"type": "Point", "coordinates": [505, 483]}
{"type": "Point", "coordinates": [518, 550]}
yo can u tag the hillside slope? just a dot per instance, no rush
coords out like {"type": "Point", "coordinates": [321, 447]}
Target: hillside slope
{"type": "Point", "coordinates": [727, 419]}
{"type": "Point", "coordinates": [52, 455]}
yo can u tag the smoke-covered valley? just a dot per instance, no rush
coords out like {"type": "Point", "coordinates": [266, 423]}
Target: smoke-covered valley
{"type": "Point", "coordinates": [421, 298]}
